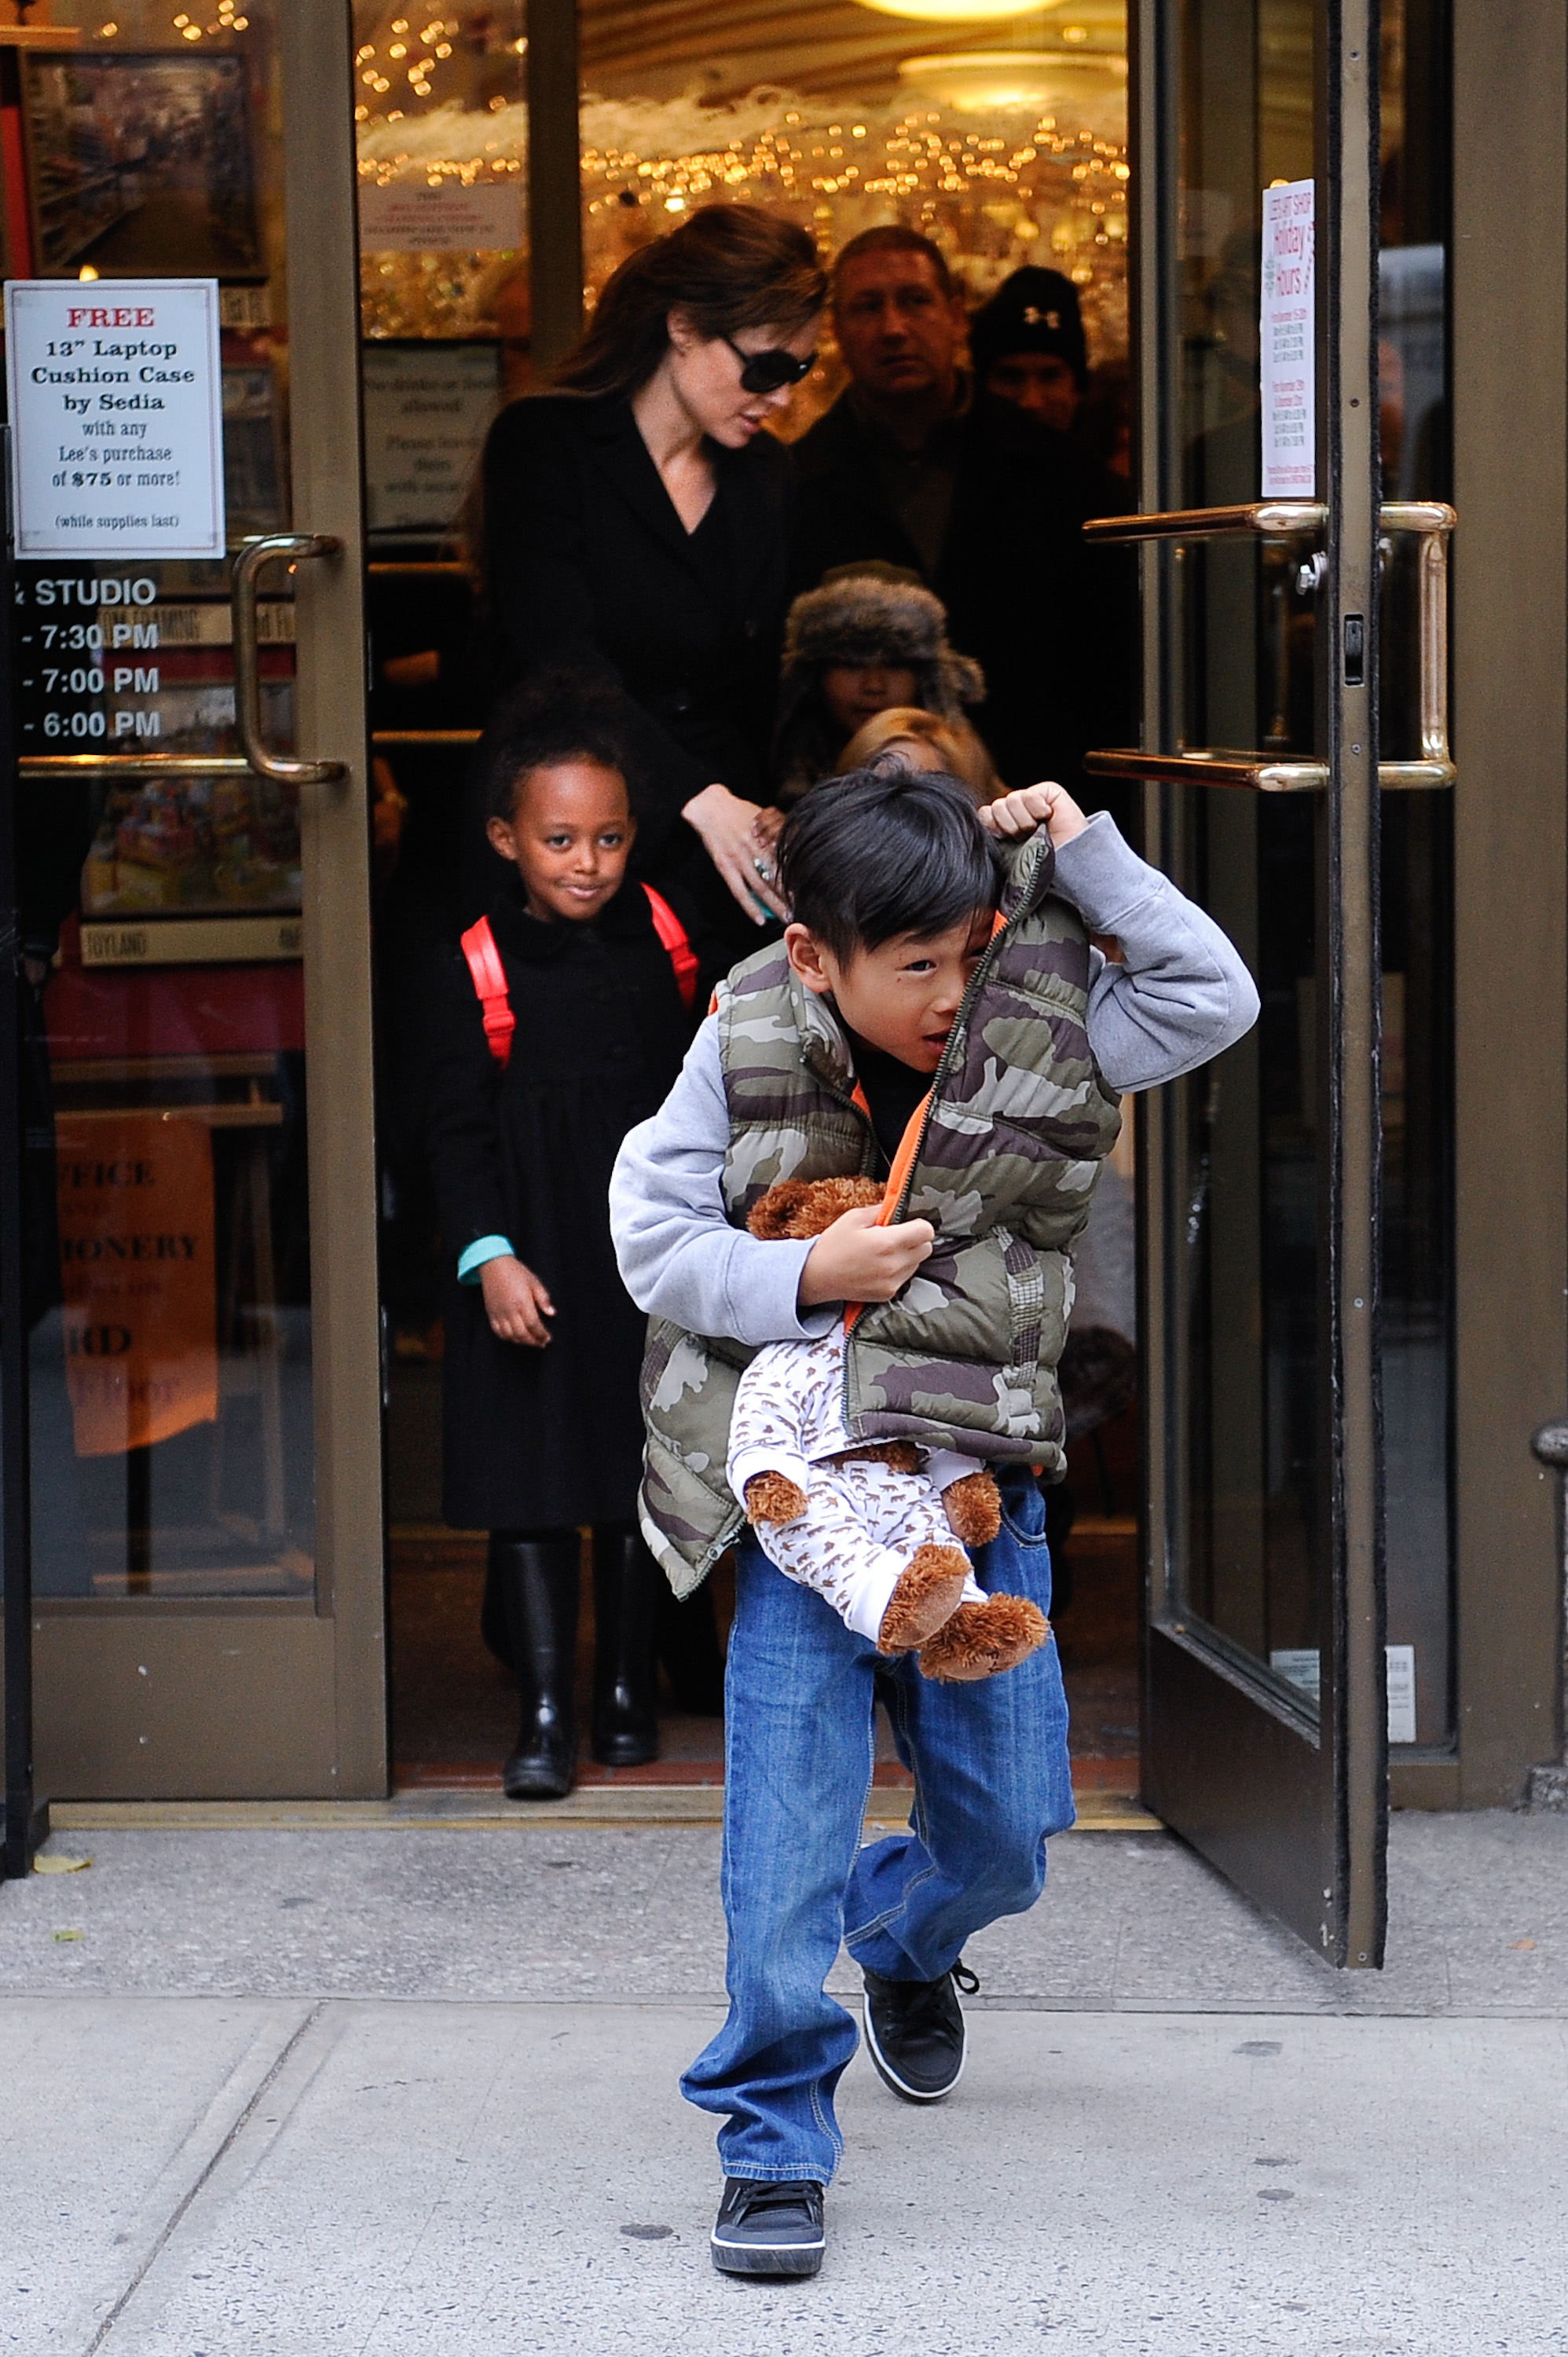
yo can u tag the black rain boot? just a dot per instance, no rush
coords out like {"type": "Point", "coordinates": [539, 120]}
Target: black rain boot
{"type": "Point", "coordinates": [625, 1587]}
{"type": "Point", "coordinates": [538, 1579]}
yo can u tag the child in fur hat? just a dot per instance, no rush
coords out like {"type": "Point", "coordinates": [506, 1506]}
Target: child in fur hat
{"type": "Point", "coordinates": [870, 637]}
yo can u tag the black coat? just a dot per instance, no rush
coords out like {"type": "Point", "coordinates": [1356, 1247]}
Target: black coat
{"type": "Point", "coordinates": [588, 564]}
{"type": "Point", "coordinates": [552, 1438]}
{"type": "Point", "coordinates": [1050, 621]}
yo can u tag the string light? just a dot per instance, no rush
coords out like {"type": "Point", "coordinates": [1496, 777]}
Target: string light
{"type": "Point", "coordinates": [997, 185]}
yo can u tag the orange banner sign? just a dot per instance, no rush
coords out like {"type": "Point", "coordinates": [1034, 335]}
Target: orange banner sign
{"type": "Point", "coordinates": [138, 1272]}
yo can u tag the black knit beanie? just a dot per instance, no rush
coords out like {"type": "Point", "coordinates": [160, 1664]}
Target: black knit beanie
{"type": "Point", "coordinates": [1034, 311]}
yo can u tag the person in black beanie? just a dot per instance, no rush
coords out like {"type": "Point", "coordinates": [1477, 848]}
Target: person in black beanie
{"type": "Point", "coordinates": [917, 467]}
{"type": "Point", "coordinates": [1028, 347]}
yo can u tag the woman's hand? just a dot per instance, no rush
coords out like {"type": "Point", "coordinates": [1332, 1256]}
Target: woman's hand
{"type": "Point", "coordinates": [726, 825]}
{"type": "Point", "coordinates": [767, 826]}
{"type": "Point", "coordinates": [856, 1260]}
{"type": "Point", "coordinates": [516, 1303]}
{"type": "Point", "coordinates": [1046, 805]}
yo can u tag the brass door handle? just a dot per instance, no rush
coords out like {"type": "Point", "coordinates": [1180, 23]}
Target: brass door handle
{"type": "Point", "coordinates": [1258, 773]}
{"type": "Point", "coordinates": [1269, 519]}
{"type": "Point", "coordinates": [1433, 520]}
{"type": "Point", "coordinates": [133, 765]}
{"type": "Point", "coordinates": [256, 553]}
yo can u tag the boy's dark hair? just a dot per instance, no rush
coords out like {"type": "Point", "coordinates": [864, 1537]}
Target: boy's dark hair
{"type": "Point", "coordinates": [560, 717]}
{"type": "Point", "coordinates": [887, 851]}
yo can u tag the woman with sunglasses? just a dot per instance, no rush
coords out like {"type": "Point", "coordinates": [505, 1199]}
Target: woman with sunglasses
{"type": "Point", "coordinates": [636, 524]}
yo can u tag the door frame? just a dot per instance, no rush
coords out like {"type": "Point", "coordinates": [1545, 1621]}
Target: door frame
{"type": "Point", "coordinates": [323, 247]}
{"type": "Point", "coordinates": [1509, 329]}
{"type": "Point", "coordinates": [308, 1679]}
{"type": "Point", "coordinates": [1293, 1808]}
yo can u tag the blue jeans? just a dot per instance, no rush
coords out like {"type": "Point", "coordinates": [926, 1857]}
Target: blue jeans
{"type": "Point", "coordinates": [991, 1781]}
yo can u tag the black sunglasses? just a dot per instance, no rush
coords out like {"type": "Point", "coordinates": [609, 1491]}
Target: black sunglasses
{"type": "Point", "coordinates": [766, 371]}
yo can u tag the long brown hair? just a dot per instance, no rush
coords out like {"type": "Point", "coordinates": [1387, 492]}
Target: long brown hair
{"type": "Point", "coordinates": [730, 266]}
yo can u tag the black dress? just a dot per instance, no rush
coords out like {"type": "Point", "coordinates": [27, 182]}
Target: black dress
{"type": "Point", "coordinates": [553, 1437]}
{"type": "Point", "coordinates": [589, 567]}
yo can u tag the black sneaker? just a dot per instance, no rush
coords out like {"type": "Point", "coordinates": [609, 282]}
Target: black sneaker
{"type": "Point", "coordinates": [915, 2030]}
{"type": "Point", "coordinates": [769, 2230]}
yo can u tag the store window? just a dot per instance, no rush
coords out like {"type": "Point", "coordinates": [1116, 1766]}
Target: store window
{"type": "Point", "coordinates": [165, 1085]}
{"type": "Point", "coordinates": [1007, 142]}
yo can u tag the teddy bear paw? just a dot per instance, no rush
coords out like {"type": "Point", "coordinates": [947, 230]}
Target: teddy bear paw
{"type": "Point", "coordinates": [973, 1509]}
{"type": "Point", "coordinates": [774, 1498]}
{"type": "Point", "coordinates": [799, 1208]}
{"type": "Point", "coordinates": [928, 1593]}
{"type": "Point", "coordinates": [980, 1640]}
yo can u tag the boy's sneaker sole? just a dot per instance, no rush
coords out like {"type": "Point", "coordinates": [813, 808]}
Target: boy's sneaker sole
{"type": "Point", "coordinates": [778, 2259]}
{"type": "Point", "coordinates": [742, 2242]}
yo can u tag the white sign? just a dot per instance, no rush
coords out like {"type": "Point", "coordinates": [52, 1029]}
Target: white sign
{"type": "Point", "coordinates": [1287, 345]}
{"type": "Point", "coordinates": [411, 217]}
{"type": "Point", "coordinates": [116, 416]}
{"type": "Point", "coordinates": [1300, 1666]}
{"type": "Point", "coordinates": [428, 410]}
{"type": "Point", "coordinates": [1402, 1693]}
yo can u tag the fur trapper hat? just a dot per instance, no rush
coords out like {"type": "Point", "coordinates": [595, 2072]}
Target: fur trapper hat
{"type": "Point", "coordinates": [875, 613]}
{"type": "Point", "coordinates": [863, 614]}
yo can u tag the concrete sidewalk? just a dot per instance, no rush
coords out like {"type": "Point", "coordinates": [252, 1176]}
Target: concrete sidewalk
{"type": "Point", "coordinates": [546, 1910]}
{"type": "Point", "coordinates": [299, 2092]}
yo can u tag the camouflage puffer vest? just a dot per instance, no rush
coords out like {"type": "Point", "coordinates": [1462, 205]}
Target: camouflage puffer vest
{"type": "Point", "coordinates": [1017, 1124]}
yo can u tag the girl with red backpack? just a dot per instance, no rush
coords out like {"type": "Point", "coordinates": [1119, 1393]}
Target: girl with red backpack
{"type": "Point", "coordinates": [568, 1012]}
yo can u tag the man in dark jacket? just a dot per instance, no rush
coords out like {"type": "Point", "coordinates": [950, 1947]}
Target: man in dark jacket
{"type": "Point", "coordinates": [913, 466]}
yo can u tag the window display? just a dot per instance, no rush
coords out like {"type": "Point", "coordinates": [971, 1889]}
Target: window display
{"type": "Point", "coordinates": [1005, 156]}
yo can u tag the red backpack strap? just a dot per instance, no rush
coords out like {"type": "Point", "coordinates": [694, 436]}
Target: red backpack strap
{"type": "Point", "coordinates": [672, 938]}
{"type": "Point", "coordinates": [478, 945]}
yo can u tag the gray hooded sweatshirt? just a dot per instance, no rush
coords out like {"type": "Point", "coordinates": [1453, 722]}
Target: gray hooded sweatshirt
{"type": "Point", "coordinates": [1180, 996]}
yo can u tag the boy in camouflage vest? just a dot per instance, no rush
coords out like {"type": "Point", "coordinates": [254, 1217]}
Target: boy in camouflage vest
{"type": "Point", "coordinates": [964, 999]}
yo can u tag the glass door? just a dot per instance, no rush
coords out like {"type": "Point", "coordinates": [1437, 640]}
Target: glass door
{"type": "Point", "coordinates": [1293, 638]}
{"type": "Point", "coordinates": [193, 874]}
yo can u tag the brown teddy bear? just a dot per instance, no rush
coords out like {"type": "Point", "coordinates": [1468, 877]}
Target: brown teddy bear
{"type": "Point", "coordinates": [935, 1609]}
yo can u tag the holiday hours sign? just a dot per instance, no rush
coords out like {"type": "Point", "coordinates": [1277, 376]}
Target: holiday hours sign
{"type": "Point", "coordinates": [116, 417]}
{"type": "Point", "coordinates": [1287, 344]}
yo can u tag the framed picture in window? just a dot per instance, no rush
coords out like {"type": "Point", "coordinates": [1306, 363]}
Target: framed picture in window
{"type": "Point", "coordinates": [140, 164]}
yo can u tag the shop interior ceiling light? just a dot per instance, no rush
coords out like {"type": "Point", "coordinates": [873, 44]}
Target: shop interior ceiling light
{"type": "Point", "coordinates": [977, 81]}
{"type": "Point", "coordinates": [960, 12]}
